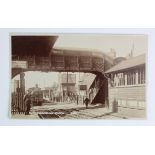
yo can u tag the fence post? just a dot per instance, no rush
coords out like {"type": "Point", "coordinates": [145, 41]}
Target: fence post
{"type": "Point", "coordinates": [17, 103]}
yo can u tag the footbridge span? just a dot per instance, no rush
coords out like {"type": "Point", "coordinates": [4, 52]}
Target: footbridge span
{"type": "Point", "coordinates": [37, 53]}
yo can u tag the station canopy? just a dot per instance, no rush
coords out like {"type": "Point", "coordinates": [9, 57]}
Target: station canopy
{"type": "Point", "coordinates": [32, 45]}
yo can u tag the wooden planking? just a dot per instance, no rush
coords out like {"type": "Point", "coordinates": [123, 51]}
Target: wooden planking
{"type": "Point", "coordinates": [17, 103]}
{"type": "Point", "coordinates": [132, 96]}
{"type": "Point", "coordinates": [137, 92]}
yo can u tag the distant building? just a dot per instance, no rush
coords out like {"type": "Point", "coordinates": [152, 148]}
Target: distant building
{"type": "Point", "coordinates": [85, 87]}
{"type": "Point", "coordinates": [85, 84]}
{"type": "Point", "coordinates": [126, 88]}
{"type": "Point", "coordinates": [67, 82]}
{"type": "Point", "coordinates": [112, 53]}
{"type": "Point", "coordinates": [16, 85]}
{"type": "Point", "coordinates": [35, 89]}
{"type": "Point", "coordinates": [48, 93]}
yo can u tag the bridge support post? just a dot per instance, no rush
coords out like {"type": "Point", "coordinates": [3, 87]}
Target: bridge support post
{"type": "Point", "coordinates": [22, 82]}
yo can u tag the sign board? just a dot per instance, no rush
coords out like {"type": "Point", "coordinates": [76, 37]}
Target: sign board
{"type": "Point", "coordinates": [19, 64]}
{"type": "Point", "coordinates": [83, 87]}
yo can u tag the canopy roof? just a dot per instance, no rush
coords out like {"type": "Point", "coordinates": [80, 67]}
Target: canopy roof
{"type": "Point", "coordinates": [129, 63]}
{"type": "Point", "coordinates": [32, 45]}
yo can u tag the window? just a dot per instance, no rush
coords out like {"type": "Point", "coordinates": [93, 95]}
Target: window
{"type": "Point", "coordinates": [141, 76]}
{"type": "Point", "coordinates": [85, 62]}
{"type": "Point", "coordinates": [59, 61]}
{"type": "Point", "coordinates": [118, 79]}
{"type": "Point", "coordinates": [131, 78]}
{"type": "Point", "coordinates": [122, 79]}
{"type": "Point", "coordinates": [71, 61]}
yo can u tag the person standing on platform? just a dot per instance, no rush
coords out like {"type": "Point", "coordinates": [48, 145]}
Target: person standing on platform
{"type": "Point", "coordinates": [86, 101]}
{"type": "Point", "coordinates": [27, 101]}
{"type": "Point", "coordinates": [77, 99]}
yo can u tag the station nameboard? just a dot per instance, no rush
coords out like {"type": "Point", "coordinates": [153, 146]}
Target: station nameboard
{"type": "Point", "coordinates": [19, 64]}
{"type": "Point", "coordinates": [83, 87]}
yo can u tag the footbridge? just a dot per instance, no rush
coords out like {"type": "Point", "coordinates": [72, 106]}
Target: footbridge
{"type": "Point", "coordinates": [37, 53]}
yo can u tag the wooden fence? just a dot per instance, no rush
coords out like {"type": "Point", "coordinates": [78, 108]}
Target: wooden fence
{"type": "Point", "coordinates": [17, 103]}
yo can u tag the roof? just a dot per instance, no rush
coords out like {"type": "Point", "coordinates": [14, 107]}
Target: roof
{"type": "Point", "coordinates": [129, 63]}
{"type": "Point", "coordinates": [81, 52]}
{"type": "Point", "coordinates": [72, 51]}
{"type": "Point", "coordinates": [32, 45]}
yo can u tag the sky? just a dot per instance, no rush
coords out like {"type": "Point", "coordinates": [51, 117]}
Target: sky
{"type": "Point", "coordinates": [121, 43]}
{"type": "Point", "coordinates": [42, 79]}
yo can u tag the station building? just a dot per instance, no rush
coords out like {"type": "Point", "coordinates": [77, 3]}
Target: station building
{"type": "Point", "coordinates": [127, 87]}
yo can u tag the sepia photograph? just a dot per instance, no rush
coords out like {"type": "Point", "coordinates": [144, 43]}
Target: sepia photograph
{"type": "Point", "coordinates": [78, 76]}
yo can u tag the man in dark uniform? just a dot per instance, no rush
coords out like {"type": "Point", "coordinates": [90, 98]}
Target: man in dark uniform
{"type": "Point", "coordinates": [86, 101]}
{"type": "Point", "coordinates": [27, 101]}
